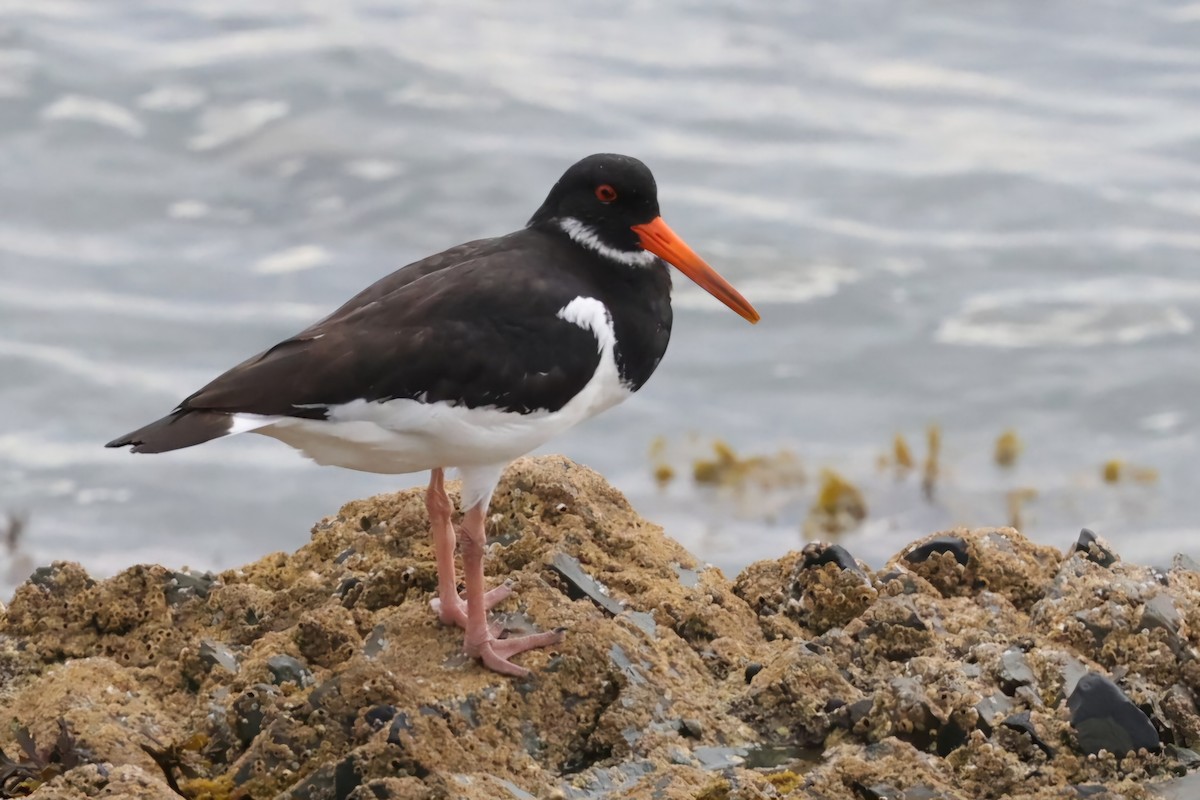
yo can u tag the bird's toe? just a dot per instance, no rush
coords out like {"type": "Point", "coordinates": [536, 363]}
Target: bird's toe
{"type": "Point", "coordinates": [454, 612]}
{"type": "Point", "coordinates": [495, 653]}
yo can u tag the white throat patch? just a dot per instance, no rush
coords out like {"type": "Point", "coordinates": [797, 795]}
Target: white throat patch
{"type": "Point", "coordinates": [583, 235]}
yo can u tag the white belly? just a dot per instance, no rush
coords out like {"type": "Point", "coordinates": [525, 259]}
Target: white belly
{"type": "Point", "coordinates": [397, 436]}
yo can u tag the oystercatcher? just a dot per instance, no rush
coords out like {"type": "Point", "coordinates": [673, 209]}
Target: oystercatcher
{"type": "Point", "coordinates": [469, 359]}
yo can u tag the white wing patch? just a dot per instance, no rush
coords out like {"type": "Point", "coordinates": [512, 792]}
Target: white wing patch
{"type": "Point", "coordinates": [584, 235]}
{"type": "Point", "coordinates": [244, 423]}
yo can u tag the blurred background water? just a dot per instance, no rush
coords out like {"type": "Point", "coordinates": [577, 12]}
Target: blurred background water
{"type": "Point", "coordinates": [977, 215]}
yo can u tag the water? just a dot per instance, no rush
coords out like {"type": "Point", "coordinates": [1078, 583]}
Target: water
{"type": "Point", "coordinates": [977, 215]}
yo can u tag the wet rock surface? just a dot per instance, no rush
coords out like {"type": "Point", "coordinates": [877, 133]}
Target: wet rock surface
{"type": "Point", "coordinates": [975, 664]}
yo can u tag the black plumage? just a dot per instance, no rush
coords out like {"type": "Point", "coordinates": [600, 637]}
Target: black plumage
{"type": "Point", "coordinates": [475, 325]}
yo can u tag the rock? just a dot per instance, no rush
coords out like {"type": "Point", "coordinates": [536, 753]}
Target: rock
{"type": "Point", "coordinates": [215, 654]}
{"type": "Point", "coordinates": [991, 707]}
{"type": "Point", "coordinates": [998, 559]}
{"type": "Point", "coordinates": [1186, 788]}
{"type": "Point", "coordinates": [817, 554]}
{"type": "Point", "coordinates": [1105, 719]}
{"type": "Point", "coordinates": [893, 629]}
{"type": "Point", "coordinates": [898, 580]}
{"type": "Point", "coordinates": [952, 545]}
{"type": "Point", "coordinates": [1182, 562]}
{"type": "Point", "coordinates": [583, 585]}
{"type": "Point", "coordinates": [1022, 723]}
{"type": "Point", "coordinates": [286, 669]}
{"type": "Point", "coordinates": [1187, 759]}
{"type": "Point", "coordinates": [324, 674]}
{"type": "Point", "coordinates": [1094, 549]}
{"type": "Point", "coordinates": [250, 709]}
{"type": "Point", "coordinates": [767, 587]}
{"type": "Point", "coordinates": [184, 586]}
{"type": "Point", "coordinates": [1121, 614]}
{"type": "Point", "coordinates": [950, 737]}
{"type": "Point", "coordinates": [828, 589]}
{"type": "Point", "coordinates": [1014, 671]}
{"type": "Point", "coordinates": [788, 698]}
{"type": "Point", "coordinates": [126, 781]}
{"type": "Point", "coordinates": [1179, 707]}
{"type": "Point", "coordinates": [1160, 612]}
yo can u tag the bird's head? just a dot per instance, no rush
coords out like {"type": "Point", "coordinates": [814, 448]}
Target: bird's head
{"type": "Point", "coordinates": [608, 204]}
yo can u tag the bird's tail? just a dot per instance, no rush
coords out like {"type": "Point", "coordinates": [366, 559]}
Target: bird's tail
{"type": "Point", "coordinates": [180, 429]}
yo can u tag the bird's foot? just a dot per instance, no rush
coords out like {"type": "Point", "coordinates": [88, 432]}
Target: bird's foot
{"type": "Point", "coordinates": [495, 653]}
{"type": "Point", "coordinates": [455, 611]}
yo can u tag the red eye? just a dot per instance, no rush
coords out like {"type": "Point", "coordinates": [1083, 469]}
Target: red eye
{"type": "Point", "coordinates": [605, 193]}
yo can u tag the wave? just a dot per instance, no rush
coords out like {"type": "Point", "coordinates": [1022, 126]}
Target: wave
{"type": "Point", "coordinates": [103, 373]}
{"type": "Point", "coordinates": [79, 108]}
{"type": "Point", "coordinates": [1118, 310]}
{"type": "Point", "coordinates": [33, 451]}
{"type": "Point", "coordinates": [29, 298]}
{"type": "Point", "coordinates": [766, 209]}
{"type": "Point", "coordinates": [791, 287]}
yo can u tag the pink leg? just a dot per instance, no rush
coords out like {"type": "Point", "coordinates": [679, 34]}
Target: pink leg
{"type": "Point", "coordinates": [450, 608]}
{"type": "Point", "coordinates": [480, 642]}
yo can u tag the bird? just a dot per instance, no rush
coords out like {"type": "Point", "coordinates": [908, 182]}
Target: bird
{"type": "Point", "coordinates": [469, 359]}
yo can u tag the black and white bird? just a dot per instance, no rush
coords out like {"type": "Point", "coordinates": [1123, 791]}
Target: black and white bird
{"type": "Point", "coordinates": [471, 358]}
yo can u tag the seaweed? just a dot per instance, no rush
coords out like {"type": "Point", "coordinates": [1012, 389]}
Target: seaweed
{"type": "Point", "coordinates": [20, 778]}
{"type": "Point", "coordinates": [932, 468]}
{"type": "Point", "coordinates": [170, 758]}
{"type": "Point", "coordinates": [1008, 448]}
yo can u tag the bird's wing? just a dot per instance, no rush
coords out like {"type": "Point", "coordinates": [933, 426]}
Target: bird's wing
{"type": "Point", "coordinates": [455, 256]}
{"type": "Point", "coordinates": [474, 333]}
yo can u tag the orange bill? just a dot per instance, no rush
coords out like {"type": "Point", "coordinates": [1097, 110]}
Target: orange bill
{"type": "Point", "coordinates": [659, 239]}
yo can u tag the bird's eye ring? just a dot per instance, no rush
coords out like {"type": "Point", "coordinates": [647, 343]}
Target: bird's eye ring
{"type": "Point", "coordinates": [605, 193]}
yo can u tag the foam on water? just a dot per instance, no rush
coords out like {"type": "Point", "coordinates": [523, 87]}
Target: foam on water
{"type": "Point", "coordinates": [31, 451]}
{"type": "Point", "coordinates": [95, 371]}
{"type": "Point", "coordinates": [27, 242]}
{"type": "Point", "coordinates": [172, 98]}
{"type": "Point", "coordinates": [17, 296]}
{"type": "Point", "coordinates": [783, 286]}
{"type": "Point", "coordinates": [77, 108]}
{"type": "Point", "coordinates": [1053, 325]}
{"type": "Point", "coordinates": [1120, 310]}
{"type": "Point", "coordinates": [223, 125]}
{"type": "Point", "coordinates": [293, 259]}
{"type": "Point", "coordinates": [373, 169]}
